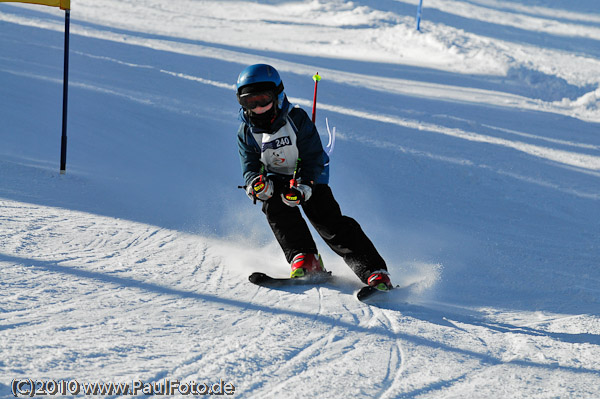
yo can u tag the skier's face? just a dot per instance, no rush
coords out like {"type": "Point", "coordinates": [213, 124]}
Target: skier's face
{"type": "Point", "coordinates": [261, 110]}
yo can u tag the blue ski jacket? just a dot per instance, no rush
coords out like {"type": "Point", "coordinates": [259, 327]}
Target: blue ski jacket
{"type": "Point", "coordinates": [292, 136]}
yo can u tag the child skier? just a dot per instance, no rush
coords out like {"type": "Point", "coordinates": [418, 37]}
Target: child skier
{"type": "Point", "coordinates": [284, 166]}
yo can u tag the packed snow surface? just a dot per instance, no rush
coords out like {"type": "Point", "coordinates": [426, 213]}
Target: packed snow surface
{"type": "Point", "coordinates": [468, 151]}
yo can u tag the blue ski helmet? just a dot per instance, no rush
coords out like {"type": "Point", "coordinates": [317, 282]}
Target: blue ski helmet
{"type": "Point", "coordinates": [260, 77]}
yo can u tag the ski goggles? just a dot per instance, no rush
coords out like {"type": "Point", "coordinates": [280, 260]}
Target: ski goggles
{"type": "Point", "coordinates": [253, 100]}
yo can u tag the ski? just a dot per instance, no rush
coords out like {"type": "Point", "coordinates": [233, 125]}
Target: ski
{"type": "Point", "coordinates": [365, 294]}
{"type": "Point", "coordinates": [265, 280]}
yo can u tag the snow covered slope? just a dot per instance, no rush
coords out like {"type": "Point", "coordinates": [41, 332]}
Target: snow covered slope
{"type": "Point", "coordinates": [469, 152]}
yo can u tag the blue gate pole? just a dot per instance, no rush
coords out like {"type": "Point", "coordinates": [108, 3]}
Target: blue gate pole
{"type": "Point", "coordinates": [419, 15]}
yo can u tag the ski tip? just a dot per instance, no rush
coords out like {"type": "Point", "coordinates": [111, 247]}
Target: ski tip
{"type": "Point", "coordinates": [256, 277]}
{"type": "Point", "coordinates": [368, 292]}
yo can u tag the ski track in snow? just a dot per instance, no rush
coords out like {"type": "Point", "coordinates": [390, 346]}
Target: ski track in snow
{"type": "Point", "coordinates": [108, 261]}
{"type": "Point", "coordinates": [148, 274]}
{"type": "Point", "coordinates": [95, 297]}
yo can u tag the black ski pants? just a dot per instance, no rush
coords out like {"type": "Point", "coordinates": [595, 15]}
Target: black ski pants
{"type": "Point", "coordinates": [341, 233]}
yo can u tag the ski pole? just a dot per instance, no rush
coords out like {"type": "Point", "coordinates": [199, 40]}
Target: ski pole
{"type": "Point", "coordinates": [253, 194]}
{"type": "Point", "coordinates": [293, 193]}
{"type": "Point", "coordinates": [261, 180]}
{"type": "Point", "coordinates": [294, 182]}
{"type": "Point", "coordinates": [316, 78]}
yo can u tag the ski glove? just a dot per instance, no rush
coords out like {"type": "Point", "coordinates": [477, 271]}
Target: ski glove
{"type": "Point", "coordinates": [261, 188]}
{"type": "Point", "coordinates": [297, 195]}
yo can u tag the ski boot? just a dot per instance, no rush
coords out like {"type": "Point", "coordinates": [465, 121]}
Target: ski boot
{"type": "Point", "coordinates": [380, 280]}
{"type": "Point", "coordinates": [306, 264]}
